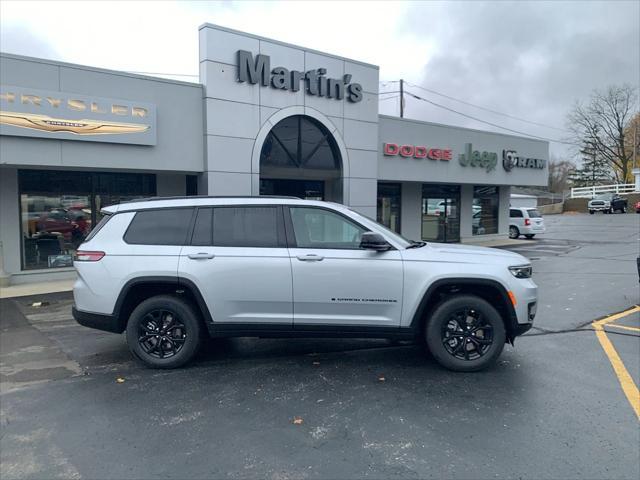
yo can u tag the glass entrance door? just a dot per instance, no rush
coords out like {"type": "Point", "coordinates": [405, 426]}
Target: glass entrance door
{"type": "Point", "coordinates": [441, 213]}
{"type": "Point", "coordinates": [305, 189]}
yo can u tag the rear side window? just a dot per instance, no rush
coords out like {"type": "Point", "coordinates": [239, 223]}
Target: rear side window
{"type": "Point", "coordinates": [247, 227]}
{"type": "Point", "coordinates": [100, 224]}
{"type": "Point", "coordinates": [533, 213]}
{"type": "Point", "coordinates": [167, 226]}
{"type": "Point", "coordinates": [515, 213]}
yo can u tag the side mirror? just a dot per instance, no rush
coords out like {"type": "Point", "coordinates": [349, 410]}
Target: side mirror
{"type": "Point", "coordinates": [374, 241]}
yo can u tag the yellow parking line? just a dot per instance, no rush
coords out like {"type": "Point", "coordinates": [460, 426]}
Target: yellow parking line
{"type": "Point", "coordinates": [626, 382]}
{"type": "Point", "coordinates": [624, 327]}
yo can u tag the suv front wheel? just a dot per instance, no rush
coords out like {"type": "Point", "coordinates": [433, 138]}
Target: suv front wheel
{"type": "Point", "coordinates": [164, 332]}
{"type": "Point", "coordinates": [465, 333]}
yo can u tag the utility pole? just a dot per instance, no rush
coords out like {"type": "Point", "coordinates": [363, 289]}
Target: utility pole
{"type": "Point", "coordinates": [401, 98]}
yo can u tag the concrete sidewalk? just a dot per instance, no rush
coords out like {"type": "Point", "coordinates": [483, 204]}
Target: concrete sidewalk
{"type": "Point", "coordinates": [37, 288]}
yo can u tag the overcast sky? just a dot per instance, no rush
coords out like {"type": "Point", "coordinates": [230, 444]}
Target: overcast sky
{"type": "Point", "coordinates": [531, 60]}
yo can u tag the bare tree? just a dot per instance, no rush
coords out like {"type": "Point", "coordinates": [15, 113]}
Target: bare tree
{"type": "Point", "coordinates": [603, 123]}
{"type": "Point", "coordinates": [559, 173]}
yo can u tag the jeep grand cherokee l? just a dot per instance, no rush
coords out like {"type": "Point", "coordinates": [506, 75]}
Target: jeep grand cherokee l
{"type": "Point", "coordinates": [169, 271]}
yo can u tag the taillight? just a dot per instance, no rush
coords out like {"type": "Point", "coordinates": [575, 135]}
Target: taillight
{"type": "Point", "coordinates": [86, 256]}
{"type": "Point", "coordinates": [527, 222]}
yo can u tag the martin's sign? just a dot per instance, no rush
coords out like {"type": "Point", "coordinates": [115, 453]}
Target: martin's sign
{"type": "Point", "coordinates": [28, 112]}
{"type": "Point", "coordinates": [416, 151]}
{"type": "Point", "coordinates": [511, 160]}
{"type": "Point", "coordinates": [313, 81]}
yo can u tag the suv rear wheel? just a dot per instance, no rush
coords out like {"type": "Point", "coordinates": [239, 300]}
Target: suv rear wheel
{"type": "Point", "coordinates": [514, 232]}
{"type": "Point", "coordinates": [465, 333]}
{"type": "Point", "coordinates": [164, 332]}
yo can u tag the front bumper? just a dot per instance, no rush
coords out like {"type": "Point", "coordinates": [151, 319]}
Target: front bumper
{"type": "Point", "coordinates": [598, 208]}
{"type": "Point", "coordinates": [99, 321]}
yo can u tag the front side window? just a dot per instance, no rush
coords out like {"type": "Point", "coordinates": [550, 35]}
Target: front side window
{"type": "Point", "coordinates": [320, 228]}
{"type": "Point", "coordinates": [167, 226]}
{"type": "Point", "coordinates": [246, 227]}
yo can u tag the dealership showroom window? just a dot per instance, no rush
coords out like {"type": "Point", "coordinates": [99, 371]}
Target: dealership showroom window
{"type": "Point", "coordinates": [58, 209]}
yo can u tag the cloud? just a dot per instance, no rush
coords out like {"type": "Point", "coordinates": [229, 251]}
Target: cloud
{"type": "Point", "coordinates": [528, 59]}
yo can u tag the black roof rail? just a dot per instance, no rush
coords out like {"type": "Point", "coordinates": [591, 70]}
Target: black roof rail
{"type": "Point", "coordinates": [195, 197]}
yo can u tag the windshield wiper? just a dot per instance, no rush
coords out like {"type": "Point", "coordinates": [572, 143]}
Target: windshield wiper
{"type": "Point", "coordinates": [415, 244]}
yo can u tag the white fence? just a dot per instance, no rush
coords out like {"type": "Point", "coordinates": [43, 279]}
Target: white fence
{"type": "Point", "coordinates": [590, 192]}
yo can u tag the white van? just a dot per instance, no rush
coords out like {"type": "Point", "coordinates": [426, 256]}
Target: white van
{"type": "Point", "coordinates": [525, 221]}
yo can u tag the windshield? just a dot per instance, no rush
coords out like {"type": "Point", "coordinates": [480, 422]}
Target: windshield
{"type": "Point", "coordinates": [533, 213]}
{"type": "Point", "coordinates": [604, 196]}
{"type": "Point", "coordinates": [395, 236]}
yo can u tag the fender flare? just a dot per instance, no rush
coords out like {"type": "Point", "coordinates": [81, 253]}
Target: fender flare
{"type": "Point", "coordinates": [511, 320]}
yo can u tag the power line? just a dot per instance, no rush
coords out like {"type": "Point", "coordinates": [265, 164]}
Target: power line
{"type": "Point", "coordinates": [488, 123]}
{"type": "Point", "coordinates": [487, 109]}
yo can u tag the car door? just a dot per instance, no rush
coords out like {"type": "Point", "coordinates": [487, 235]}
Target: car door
{"type": "Point", "coordinates": [335, 282]}
{"type": "Point", "coordinates": [238, 259]}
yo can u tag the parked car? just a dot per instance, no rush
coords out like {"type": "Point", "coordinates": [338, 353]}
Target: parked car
{"type": "Point", "coordinates": [169, 271]}
{"type": "Point", "coordinates": [525, 221]}
{"type": "Point", "coordinates": [637, 207]}
{"type": "Point", "coordinates": [607, 203]}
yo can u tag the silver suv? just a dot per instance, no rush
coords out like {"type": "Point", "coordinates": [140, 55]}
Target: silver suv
{"type": "Point", "coordinates": [171, 271]}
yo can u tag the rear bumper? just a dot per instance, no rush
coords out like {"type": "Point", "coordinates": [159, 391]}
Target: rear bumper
{"type": "Point", "coordinates": [99, 321]}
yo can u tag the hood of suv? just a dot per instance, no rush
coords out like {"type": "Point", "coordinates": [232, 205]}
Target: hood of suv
{"type": "Point", "coordinates": [464, 254]}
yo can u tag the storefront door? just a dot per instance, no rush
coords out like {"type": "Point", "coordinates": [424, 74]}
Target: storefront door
{"type": "Point", "coordinates": [441, 213]}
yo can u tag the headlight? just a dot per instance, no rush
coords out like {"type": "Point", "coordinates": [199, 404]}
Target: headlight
{"type": "Point", "coordinates": [521, 271]}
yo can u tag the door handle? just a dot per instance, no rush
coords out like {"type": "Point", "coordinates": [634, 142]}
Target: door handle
{"type": "Point", "coordinates": [310, 258]}
{"type": "Point", "coordinates": [201, 256]}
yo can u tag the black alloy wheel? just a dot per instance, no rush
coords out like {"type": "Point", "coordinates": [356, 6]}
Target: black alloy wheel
{"type": "Point", "coordinates": [161, 334]}
{"type": "Point", "coordinates": [467, 335]}
{"type": "Point", "coordinates": [164, 332]}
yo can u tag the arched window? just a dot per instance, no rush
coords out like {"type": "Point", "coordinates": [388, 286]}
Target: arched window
{"type": "Point", "coordinates": [300, 142]}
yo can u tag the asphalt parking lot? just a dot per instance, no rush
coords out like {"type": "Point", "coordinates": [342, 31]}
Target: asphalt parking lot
{"type": "Point", "coordinates": [555, 405]}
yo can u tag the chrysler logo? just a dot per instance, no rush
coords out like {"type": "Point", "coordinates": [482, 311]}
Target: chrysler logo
{"type": "Point", "coordinates": [79, 127]}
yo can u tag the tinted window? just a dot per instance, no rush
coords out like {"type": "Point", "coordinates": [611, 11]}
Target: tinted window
{"type": "Point", "coordinates": [319, 228]}
{"type": "Point", "coordinates": [515, 213]}
{"type": "Point", "coordinates": [202, 227]}
{"type": "Point", "coordinates": [159, 227]}
{"type": "Point", "coordinates": [533, 213]}
{"type": "Point", "coordinates": [100, 224]}
{"type": "Point", "coordinates": [245, 227]}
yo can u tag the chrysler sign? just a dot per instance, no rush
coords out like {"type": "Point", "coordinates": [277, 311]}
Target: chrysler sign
{"type": "Point", "coordinates": [28, 112]}
{"type": "Point", "coordinates": [314, 82]}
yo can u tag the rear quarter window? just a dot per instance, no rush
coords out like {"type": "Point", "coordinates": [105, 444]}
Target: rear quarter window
{"type": "Point", "coordinates": [514, 213]}
{"type": "Point", "coordinates": [103, 221]}
{"type": "Point", "coordinates": [167, 226]}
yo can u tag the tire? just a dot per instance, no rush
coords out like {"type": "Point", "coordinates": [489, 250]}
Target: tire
{"type": "Point", "coordinates": [514, 232]}
{"type": "Point", "coordinates": [530, 236]}
{"type": "Point", "coordinates": [591, 212]}
{"type": "Point", "coordinates": [182, 338]}
{"type": "Point", "coordinates": [623, 209]}
{"type": "Point", "coordinates": [443, 325]}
